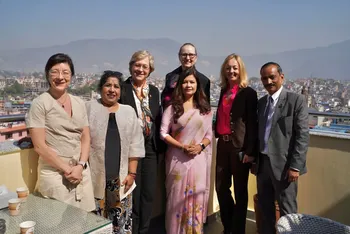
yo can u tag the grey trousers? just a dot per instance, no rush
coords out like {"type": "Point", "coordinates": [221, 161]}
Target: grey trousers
{"type": "Point", "coordinates": [271, 189]}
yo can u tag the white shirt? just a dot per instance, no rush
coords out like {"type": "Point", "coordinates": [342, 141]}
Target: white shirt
{"type": "Point", "coordinates": [138, 109]}
{"type": "Point", "coordinates": [275, 98]}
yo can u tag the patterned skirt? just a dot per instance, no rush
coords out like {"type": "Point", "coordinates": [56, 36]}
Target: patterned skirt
{"type": "Point", "coordinates": [113, 209]}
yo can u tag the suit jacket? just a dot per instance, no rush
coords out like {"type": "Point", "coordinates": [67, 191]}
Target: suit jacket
{"type": "Point", "coordinates": [243, 120]}
{"type": "Point", "coordinates": [127, 98]}
{"type": "Point", "coordinates": [289, 136]}
{"type": "Point", "coordinates": [171, 80]}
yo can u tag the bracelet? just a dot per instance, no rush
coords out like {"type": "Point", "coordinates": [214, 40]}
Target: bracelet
{"type": "Point", "coordinates": [132, 174]}
{"type": "Point", "coordinates": [182, 147]}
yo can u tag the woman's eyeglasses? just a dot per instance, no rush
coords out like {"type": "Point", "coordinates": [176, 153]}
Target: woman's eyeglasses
{"type": "Point", "coordinates": [184, 55]}
{"type": "Point", "coordinates": [56, 73]}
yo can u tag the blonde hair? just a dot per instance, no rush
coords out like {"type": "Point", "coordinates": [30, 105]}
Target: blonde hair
{"type": "Point", "coordinates": [243, 77]}
{"type": "Point", "coordinates": [139, 55]}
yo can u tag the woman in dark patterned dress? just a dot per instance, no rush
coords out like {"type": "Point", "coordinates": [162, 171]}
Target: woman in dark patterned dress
{"type": "Point", "coordinates": [116, 145]}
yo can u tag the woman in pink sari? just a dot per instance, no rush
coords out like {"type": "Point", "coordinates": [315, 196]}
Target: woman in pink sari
{"type": "Point", "coordinates": [187, 129]}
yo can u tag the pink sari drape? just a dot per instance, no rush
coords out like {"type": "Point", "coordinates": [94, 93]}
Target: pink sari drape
{"type": "Point", "coordinates": [187, 177]}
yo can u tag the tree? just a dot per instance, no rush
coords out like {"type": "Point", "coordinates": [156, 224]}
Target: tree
{"type": "Point", "coordinates": [14, 89]}
{"type": "Point", "coordinates": [94, 85]}
{"type": "Point", "coordinates": [18, 88]}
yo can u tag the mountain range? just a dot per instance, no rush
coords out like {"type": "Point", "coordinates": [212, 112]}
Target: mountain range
{"type": "Point", "coordinates": [96, 55]}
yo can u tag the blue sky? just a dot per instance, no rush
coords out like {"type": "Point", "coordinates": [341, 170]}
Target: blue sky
{"type": "Point", "coordinates": [216, 27]}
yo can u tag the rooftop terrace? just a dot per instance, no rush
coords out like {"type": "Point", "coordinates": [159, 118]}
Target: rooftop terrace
{"type": "Point", "coordinates": [323, 191]}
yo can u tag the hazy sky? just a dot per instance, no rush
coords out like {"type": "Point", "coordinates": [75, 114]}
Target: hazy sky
{"type": "Point", "coordinates": [216, 27]}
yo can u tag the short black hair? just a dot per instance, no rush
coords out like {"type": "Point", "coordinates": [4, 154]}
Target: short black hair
{"type": "Point", "coordinates": [279, 69]}
{"type": "Point", "coordinates": [106, 75]}
{"type": "Point", "coordinates": [56, 59]}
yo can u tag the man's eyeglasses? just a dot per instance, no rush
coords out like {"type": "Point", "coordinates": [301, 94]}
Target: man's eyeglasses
{"type": "Point", "coordinates": [56, 73]}
{"type": "Point", "coordinates": [184, 55]}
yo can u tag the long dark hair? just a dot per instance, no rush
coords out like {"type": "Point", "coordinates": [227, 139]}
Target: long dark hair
{"type": "Point", "coordinates": [199, 98]}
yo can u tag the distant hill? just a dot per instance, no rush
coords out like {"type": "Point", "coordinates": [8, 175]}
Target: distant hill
{"type": "Point", "coordinates": [95, 55]}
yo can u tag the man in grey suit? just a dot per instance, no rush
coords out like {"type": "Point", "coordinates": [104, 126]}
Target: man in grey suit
{"type": "Point", "coordinates": [283, 142]}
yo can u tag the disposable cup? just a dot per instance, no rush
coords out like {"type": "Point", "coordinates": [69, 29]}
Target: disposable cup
{"type": "Point", "coordinates": [27, 227]}
{"type": "Point", "coordinates": [14, 206]}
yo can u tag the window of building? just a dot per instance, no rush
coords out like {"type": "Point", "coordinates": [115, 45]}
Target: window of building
{"type": "Point", "coordinates": [8, 136]}
{"type": "Point", "coordinates": [20, 134]}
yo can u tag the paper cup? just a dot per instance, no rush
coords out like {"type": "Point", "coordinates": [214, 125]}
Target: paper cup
{"type": "Point", "coordinates": [22, 193]}
{"type": "Point", "coordinates": [27, 227]}
{"type": "Point", "coordinates": [14, 206]}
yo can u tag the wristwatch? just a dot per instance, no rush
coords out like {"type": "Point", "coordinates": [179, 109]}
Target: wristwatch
{"type": "Point", "coordinates": [202, 145]}
{"type": "Point", "coordinates": [83, 164]}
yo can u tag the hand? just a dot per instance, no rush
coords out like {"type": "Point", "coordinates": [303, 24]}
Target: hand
{"type": "Point", "coordinates": [129, 180]}
{"type": "Point", "coordinates": [254, 169]}
{"type": "Point", "coordinates": [67, 169]}
{"type": "Point", "coordinates": [76, 176]}
{"type": "Point", "coordinates": [247, 159]}
{"type": "Point", "coordinates": [185, 148]}
{"type": "Point", "coordinates": [194, 150]}
{"type": "Point", "coordinates": [293, 175]}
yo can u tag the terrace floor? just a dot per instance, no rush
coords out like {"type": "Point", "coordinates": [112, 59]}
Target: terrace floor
{"type": "Point", "coordinates": [213, 227]}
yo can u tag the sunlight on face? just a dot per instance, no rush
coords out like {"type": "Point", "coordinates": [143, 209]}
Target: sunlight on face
{"type": "Point", "coordinates": [188, 56]}
{"type": "Point", "coordinates": [232, 71]}
{"type": "Point", "coordinates": [189, 86]}
{"type": "Point", "coordinates": [60, 76]}
{"type": "Point", "coordinates": [140, 70]}
{"type": "Point", "coordinates": [110, 92]}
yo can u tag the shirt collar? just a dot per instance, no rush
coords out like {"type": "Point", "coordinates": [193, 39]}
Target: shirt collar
{"type": "Point", "coordinates": [276, 95]}
{"type": "Point", "coordinates": [234, 88]}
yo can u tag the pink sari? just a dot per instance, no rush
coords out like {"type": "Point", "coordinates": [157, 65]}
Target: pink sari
{"type": "Point", "coordinates": [187, 177]}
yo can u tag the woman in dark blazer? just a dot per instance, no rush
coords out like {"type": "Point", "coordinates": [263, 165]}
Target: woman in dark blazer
{"type": "Point", "coordinates": [144, 98]}
{"type": "Point", "coordinates": [188, 58]}
{"type": "Point", "coordinates": [236, 128]}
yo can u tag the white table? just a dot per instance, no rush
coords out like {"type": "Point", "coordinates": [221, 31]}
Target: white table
{"type": "Point", "coordinates": [52, 216]}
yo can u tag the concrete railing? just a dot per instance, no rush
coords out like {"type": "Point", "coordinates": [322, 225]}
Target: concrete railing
{"type": "Point", "coordinates": [323, 191]}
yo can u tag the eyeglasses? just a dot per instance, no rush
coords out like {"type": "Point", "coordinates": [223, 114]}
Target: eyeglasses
{"type": "Point", "coordinates": [56, 73]}
{"type": "Point", "coordinates": [184, 55]}
{"type": "Point", "coordinates": [113, 73]}
{"type": "Point", "coordinates": [143, 66]}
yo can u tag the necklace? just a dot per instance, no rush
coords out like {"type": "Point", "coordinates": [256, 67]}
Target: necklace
{"type": "Point", "coordinates": [62, 103]}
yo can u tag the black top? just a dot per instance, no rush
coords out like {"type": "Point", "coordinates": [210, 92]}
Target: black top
{"type": "Point", "coordinates": [127, 98]}
{"type": "Point", "coordinates": [112, 149]}
{"type": "Point", "coordinates": [171, 81]}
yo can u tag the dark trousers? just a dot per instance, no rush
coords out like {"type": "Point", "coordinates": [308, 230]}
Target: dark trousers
{"type": "Point", "coordinates": [271, 189]}
{"type": "Point", "coordinates": [144, 192]}
{"type": "Point", "coordinates": [233, 213]}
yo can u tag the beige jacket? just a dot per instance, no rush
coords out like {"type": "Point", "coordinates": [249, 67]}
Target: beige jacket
{"type": "Point", "coordinates": [131, 142]}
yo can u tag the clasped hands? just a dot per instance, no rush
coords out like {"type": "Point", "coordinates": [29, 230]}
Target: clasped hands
{"type": "Point", "coordinates": [192, 150]}
{"type": "Point", "coordinates": [74, 174]}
